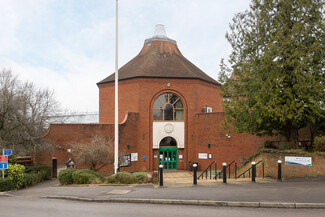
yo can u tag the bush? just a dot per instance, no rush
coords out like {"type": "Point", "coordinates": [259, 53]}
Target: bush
{"type": "Point", "coordinates": [65, 176]}
{"type": "Point", "coordinates": [319, 142]}
{"type": "Point", "coordinates": [76, 176]}
{"type": "Point", "coordinates": [6, 185]}
{"type": "Point", "coordinates": [12, 159]}
{"type": "Point", "coordinates": [85, 176]}
{"type": "Point", "coordinates": [43, 171]}
{"type": "Point", "coordinates": [122, 178]}
{"type": "Point", "coordinates": [15, 173]}
{"type": "Point", "coordinates": [141, 178]}
{"type": "Point", "coordinates": [30, 179]}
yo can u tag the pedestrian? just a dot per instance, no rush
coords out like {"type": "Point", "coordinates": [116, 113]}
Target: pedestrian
{"type": "Point", "coordinates": [71, 164]}
{"type": "Point", "coordinates": [68, 163]}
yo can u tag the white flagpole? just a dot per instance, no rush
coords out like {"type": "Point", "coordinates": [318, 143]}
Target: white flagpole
{"type": "Point", "coordinates": [116, 95]}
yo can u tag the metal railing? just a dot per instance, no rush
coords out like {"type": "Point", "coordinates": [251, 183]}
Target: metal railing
{"type": "Point", "coordinates": [209, 170]}
{"type": "Point", "coordinates": [229, 171]}
{"type": "Point", "coordinates": [249, 170]}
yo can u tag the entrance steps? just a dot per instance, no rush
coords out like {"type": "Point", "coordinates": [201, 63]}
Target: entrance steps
{"type": "Point", "coordinates": [183, 178]}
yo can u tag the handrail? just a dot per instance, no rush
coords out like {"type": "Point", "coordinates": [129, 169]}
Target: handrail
{"type": "Point", "coordinates": [249, 170]}
{"type": "Point", "coordinates": [219, 174]}
{"type": "Point", "coordinates": [206, 170]}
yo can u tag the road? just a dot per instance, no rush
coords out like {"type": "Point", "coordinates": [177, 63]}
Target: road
{"type": "Point", "coordinates": [40, 207]}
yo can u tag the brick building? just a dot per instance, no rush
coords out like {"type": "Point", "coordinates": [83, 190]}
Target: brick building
{"type": "Point", "coordinates": [170, 112]}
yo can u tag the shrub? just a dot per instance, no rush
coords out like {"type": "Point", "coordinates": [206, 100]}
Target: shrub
{"type": "Point", "coordinates": [15, 173]}
{"type": "Point", "coordinates": [12, 159]}
{"type": "Point", "coordinates": [76, 176]}
{"type": "Point", "coordinates": [30, 179]}
{"type": "Point", "coordinates": [43, 171]}
{"type": "Point", "coordinates": [122, 178]}
{"type": "Point", "coordinates": [85, 177]}
{"type": "Point", "coordinates": [319, 142]}
{"type": "Point", "coordinates": [65, 176]}
{"type": "Point", "coordinates": [6, 185]}
{"type": "Point", "coordinates": [141, 178]}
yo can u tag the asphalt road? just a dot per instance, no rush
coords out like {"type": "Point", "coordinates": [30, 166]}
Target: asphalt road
{"type": "Point", "coordinates": [39, 207]}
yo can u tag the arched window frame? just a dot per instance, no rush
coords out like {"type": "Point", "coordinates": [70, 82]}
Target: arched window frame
{"type": "Point", "coordinates": [165, 103]}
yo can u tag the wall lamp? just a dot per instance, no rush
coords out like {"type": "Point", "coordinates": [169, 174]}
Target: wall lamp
{"type": "Point", "coordinates": [209, 145]}
{"type": "Point", "coordinates": [128, 146]}
{"type": "Point", "coordinates": [228, 136]}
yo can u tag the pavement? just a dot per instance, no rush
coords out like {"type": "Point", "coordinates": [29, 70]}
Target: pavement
{"type": "Point", "coordinates": [178, 189]}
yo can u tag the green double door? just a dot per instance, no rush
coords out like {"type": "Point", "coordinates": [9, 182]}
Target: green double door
{"type": "Point", "coordinates": [168, 157]}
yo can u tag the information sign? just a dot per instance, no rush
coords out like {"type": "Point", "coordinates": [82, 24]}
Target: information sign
{"type": "Point", "coordinates": [3, 165]}
{"type": "Point", "coordinates": [134, 156]}
{"type": "Point", "coordinates": [301, 161]}
{"type": "Point", "coordinates": [126, 160]}
{"type": "Point", "coordinates": [7, 152]}
{"type": "Point", "coordinates": [203, 156]}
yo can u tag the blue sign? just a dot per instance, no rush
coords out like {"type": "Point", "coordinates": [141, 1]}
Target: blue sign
{"type": "Point", "coordinates": [143, 157]}
{"type": "Point", "coordinates": [3, 165]}
{"type": "Point", "coordinates": [7, 152]}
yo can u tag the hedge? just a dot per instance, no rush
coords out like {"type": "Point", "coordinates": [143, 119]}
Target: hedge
{"type": "Point", "coordinates": [78, 176]}
{"type": "Point", "coordinates": [123, 178]}
{"type": "Point", "coordinates": [19, 177]}
{"type": "Point", "coordinates": [43, 171]}
{"type": "Point", "coordinates": [6, 185]}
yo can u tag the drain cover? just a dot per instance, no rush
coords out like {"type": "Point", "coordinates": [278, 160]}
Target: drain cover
{"type": "Point", "coordinates": [118, 192]}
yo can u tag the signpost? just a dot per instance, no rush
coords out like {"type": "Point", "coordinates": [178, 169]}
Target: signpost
{"type": "Point", "coordinates": [4, 164]}
{"type": "Point", "coordinates": [4, 160]}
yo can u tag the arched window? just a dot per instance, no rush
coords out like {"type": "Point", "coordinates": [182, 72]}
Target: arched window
{"type": "Point", "coordinates": [168, 107]}
{"type": "Point", "coordinates": [168, 141]}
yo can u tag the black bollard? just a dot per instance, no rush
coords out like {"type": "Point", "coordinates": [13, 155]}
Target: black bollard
{"type": "Point", "coordinates": [54, 167]}
{"type": "Point", "coordinates": [279, 171]}
{"type": "Point", "coordinates": [253, 171]}
{"type": "Point", "coordinates": [224, 175]}
{"type": "Point", "coordinates": [161, 178]}
{"type": "Point", "coordinates": [194, 174]}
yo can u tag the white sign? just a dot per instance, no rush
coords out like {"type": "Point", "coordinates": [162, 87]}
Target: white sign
{"type": "Point", "coordinates": [134, 156]}
{"type": "Point", "coordinates": [155, 156]}
{"type": "Point", "coordinates": [301, 161]}
{"type": "Point", "coordinates": [180, 156]}
{"type": "Point", "coordinates": [203, 156]}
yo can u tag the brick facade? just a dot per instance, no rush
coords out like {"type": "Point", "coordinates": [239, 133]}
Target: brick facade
{"type": "Point", "coordinates": [159, 68]}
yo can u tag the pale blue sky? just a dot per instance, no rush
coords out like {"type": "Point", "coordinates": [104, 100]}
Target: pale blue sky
{"type": "Point", "coordinates": [68, 45]}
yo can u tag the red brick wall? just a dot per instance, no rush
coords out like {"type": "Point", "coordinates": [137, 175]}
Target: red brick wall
{"type": "Point", "coordinates": [288, 171]}
{"type": "Point", "coordinates": [63, 135]}
{"type": "Point", "coordinates": [138, 95]}
{"type": "Point", "coordinates": [128, 100]}
{"type": "Point", "coordinates": [223, 149]}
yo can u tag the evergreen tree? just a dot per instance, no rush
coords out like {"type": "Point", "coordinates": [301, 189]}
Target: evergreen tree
{"type": "Point", "coordinates": [277, 65]}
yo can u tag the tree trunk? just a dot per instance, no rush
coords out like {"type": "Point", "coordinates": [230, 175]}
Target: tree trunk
{"type": "Point", "coordinates": [291, 135]}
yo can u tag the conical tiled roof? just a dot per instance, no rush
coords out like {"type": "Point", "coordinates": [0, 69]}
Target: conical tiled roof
{"type": "Point", "coordinates": [159, 58]}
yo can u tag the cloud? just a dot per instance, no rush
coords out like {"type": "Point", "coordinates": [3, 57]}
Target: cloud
{"type": "Point", "coordinates": [69, 46]}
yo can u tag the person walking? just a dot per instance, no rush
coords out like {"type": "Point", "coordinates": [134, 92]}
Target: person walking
{"type": "Point", "coordinates": [68, 163]}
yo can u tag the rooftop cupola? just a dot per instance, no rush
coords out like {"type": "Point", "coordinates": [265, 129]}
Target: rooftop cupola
{"type": "Point", "coordinates": [160, 58]}
{"type": "Point", "coordinates": [159, 35]}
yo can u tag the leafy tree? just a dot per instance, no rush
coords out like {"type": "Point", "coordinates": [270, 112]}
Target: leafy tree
{"type": "Point", "coordinates": [277, 65]}
{"type": "Point", "coordinates": [24, 113]}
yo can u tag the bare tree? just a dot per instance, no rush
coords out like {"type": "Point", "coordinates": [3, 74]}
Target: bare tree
{"type": "Point", "coordinates": [24, 112]}
{"type": "Point", "coordinates": [95, 153]}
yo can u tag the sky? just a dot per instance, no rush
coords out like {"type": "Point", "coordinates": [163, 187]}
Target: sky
{"type": "Point", "coordinates": [69, 45]}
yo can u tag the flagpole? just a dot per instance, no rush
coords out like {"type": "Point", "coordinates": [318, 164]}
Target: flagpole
{"type": "Point", "coordinates": [116, 139]}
